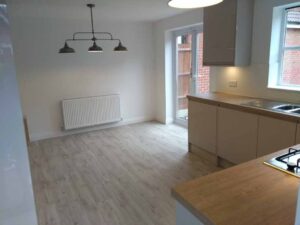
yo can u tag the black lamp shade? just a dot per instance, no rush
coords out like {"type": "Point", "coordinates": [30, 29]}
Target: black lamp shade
{"type": "Point", "coordinates": [66, 49]}
{"type": "Point", "coordinates": [120, 48]}
{"type": "Point", "coordinates": [95, 48]}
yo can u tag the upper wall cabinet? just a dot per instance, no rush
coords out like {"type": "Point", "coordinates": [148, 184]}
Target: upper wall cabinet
{"type": "Point", "coordinates": [228, 33]}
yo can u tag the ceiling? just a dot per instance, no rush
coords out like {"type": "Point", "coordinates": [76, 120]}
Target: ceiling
{"type": "Point", "coordinates": [125, 10]}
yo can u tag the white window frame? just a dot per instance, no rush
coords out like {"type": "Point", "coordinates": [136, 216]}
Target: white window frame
{"type": "Point", "coordinates": [284, 48]}
{"type": "Point", "coordinates": [276, 66]}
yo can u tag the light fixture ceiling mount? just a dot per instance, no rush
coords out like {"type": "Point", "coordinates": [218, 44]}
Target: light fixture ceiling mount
{"type": "Point", "coordinates": [106, 36]}
{"type": "Point", "coordinates": [192, 4]}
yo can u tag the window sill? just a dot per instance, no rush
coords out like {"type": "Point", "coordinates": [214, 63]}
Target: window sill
{"type": "Point", "coordinates": [284, 88]}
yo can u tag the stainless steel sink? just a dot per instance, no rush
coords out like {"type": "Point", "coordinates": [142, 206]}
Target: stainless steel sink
{"type": "Point", "coordinates": [296, 111]}
{"type": "Point", "coordinates": [261, 103]}
{"type": "Point", "coordinates": [275, 106]}
{"type": "Point", "coordinates": [287, 107]}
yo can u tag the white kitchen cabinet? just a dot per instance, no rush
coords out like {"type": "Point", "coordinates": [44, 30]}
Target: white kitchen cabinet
{"type": "Point", "coordinates": [228, 33]}
{"type": "Point", "coordinates": [184, 216]}
{"type": "Point", "coordinates": [203, 126]}
{"type": "Point", "coordinates": [236, 135]}
{"type": "Point", "coordinates": [298, 134]}
{"type": "Point", "coordinates": [274, 134]}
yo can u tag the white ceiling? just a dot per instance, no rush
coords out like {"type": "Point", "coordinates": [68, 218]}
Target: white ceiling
{"type": "Point", "coordinates": [125, 10]}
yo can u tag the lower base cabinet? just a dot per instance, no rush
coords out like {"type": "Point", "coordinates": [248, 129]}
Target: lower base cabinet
{"type": "Point", "coordinates": [237, 135]}
{"type": "Point", "coordinates": [274, 134]}
{"type": "Point", "coordinates": [203, 126]}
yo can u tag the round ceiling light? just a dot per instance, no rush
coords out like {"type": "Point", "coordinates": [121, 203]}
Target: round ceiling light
{"type": "Point", "coordinates": [191, 4]}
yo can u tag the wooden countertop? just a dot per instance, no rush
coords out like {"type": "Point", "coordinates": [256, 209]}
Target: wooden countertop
{"type": "Point", "coordinates": [248, 194]}
{"type": "Point", "coordinates": [236, 102]}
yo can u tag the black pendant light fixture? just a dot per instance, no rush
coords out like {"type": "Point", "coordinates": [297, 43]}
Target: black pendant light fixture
{"type": "Point", "coordinates": [66, 49]}
{"type": "Point", "coordinates": [106, 36]}
{"type": "Point", "coordinates": [95, 48]}
{"type": "Point", "coordinates": [120, 48]}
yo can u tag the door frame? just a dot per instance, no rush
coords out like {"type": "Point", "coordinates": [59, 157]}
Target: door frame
{"type": "Point", "coordinates": [194, 31]}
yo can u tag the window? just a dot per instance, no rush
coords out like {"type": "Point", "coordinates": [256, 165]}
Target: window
{"type": "Point", "coordinates": [284, 70]}
{"type": "Point", "coordinates": [290, 55]}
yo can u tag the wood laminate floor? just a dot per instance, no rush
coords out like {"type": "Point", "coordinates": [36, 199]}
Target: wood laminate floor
{"type": "Point", "coordinates": [117, 176]}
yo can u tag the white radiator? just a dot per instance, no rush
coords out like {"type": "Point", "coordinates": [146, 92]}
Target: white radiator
{"type": "Point", "coordinates": [91, 111]}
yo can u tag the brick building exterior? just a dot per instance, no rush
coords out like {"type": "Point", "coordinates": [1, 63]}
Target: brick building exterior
{"type": "Point", "coordinates": [291, 57]}
{"type": "Point", "coordinates": [185, 69]}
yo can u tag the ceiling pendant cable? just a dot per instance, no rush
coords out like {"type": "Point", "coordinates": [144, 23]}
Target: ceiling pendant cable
{"type": "Point", "coordinates": [94, 39]}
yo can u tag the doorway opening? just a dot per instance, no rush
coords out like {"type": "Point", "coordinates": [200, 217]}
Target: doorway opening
{"type": "Point", "coordinates": [190, 76]}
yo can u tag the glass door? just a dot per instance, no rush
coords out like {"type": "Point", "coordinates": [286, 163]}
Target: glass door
{"type": "Point", "coordinates": [191, 77]}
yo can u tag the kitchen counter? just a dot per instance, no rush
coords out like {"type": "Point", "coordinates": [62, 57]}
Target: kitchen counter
{"type": "Point", "coordinates": [251, 193]}
{"type": "Point", "coordinates": [237, 102]}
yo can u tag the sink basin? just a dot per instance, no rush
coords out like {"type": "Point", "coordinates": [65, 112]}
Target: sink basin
{"type": "Point", "coordinates": [275, 106]}
{"type": "Point", "coordinates": [296, 111]}
{"type": "Point", "coordinates": [287, 107]}
{"type": "Point", "coordinates": [257, 104]}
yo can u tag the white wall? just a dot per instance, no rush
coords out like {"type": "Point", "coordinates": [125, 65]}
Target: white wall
{"type": "Point", "coordinates": [16, 196]}
{"type": "Point", "coordinates": [163, 60]}
{"type": "Point", "coordinates": [145, 84]}
{"type": "Point", "coordinates": [253, 80]}
{"type": "Point", "coordinates": [46, 77]}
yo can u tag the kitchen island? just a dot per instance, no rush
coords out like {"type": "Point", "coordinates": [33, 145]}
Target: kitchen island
{"type": "Point", "coordinates": [251, 193]}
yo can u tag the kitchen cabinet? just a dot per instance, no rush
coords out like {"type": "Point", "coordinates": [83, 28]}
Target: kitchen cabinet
{"type": "Point", "coordinates": [203, 126]}
{"type": "Point", "coordinates": [227, 32]}
{"type": "Point", "coordinates": [274, 134]}
{"type": "Point", "coordinates": [236, 135]}
{"type": "Point", "coordinates": [298, 134]}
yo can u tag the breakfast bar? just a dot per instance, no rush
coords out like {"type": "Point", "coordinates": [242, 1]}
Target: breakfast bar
{"type": "Point", "coordinates": [251, 193]}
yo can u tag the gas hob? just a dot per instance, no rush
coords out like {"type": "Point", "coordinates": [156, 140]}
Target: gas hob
{"type": "Point", "coordinates": [288, 163]}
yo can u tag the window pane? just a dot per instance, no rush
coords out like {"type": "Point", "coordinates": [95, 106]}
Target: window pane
{"type": "Point", "coordinates": [292, 37]}
{"type": "Point", "coordinates": [291, 68]}
{"type": "Point", "coordinates": [184, 68]}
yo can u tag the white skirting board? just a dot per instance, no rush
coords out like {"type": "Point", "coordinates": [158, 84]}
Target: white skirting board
{"type": "Point", "coordinates": [48, 135]}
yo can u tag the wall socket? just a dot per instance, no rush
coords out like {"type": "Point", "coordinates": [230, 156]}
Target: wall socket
{"type": "Point", "coordinates": [233, 83]}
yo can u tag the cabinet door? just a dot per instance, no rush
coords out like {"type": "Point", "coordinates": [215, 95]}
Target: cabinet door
{"type": "Point", "coordinates": [274, 135]}
{"type": "Point", "coordinates": [219, 28]}
{"type": "Point", "coordinates": [203, 126]}
{"type": "Point", "coordinates": [298, 134]}
{"type": "Point", "coordinates": [237, 135]}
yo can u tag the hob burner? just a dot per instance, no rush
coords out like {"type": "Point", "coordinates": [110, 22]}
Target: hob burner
{"type": "Point", "coordinates": [288, 163]}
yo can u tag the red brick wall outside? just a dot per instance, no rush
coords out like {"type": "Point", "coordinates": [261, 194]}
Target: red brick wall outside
{"type": "Point", "coordinates": [291, 58]}
{"type": "Point", "coordinates": [184, 71]}
{"type": "Point", "coordinates": [202, 71]}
